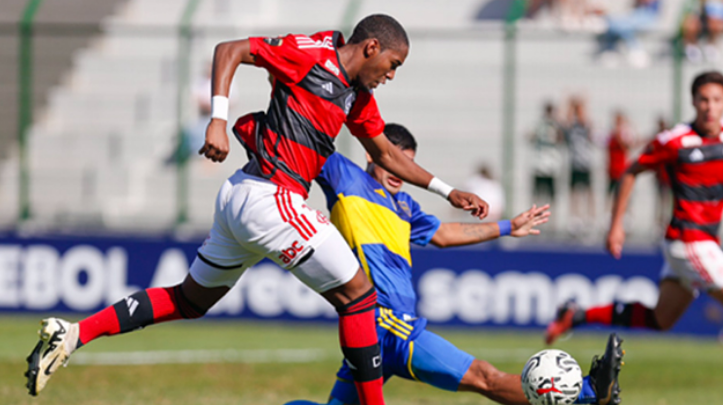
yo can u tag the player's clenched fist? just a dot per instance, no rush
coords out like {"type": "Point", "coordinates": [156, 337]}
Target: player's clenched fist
{"type": "Point", "coordinates": [469, 202]}
{"type": "Point", "coordinates": [216, 146]}
{"type": "Point", "coordinates": [615, 241]}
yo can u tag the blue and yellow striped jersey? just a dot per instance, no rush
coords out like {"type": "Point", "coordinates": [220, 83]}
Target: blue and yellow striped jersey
{"type": "Point", "coordinates": [379, 228]}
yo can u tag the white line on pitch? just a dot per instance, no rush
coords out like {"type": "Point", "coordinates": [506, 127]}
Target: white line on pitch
{"type": "Point", "coordinates": [204, 356]}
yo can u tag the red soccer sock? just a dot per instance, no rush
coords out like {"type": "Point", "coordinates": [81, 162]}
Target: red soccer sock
{"type": "Point", "coordinates": [360, 345]}
{"type": "Point", "coordinates": [632, 315]}
{"type": "Point", "coordinates": [602, 315]}
{"type": "Point", "coordinates": [154, 305]}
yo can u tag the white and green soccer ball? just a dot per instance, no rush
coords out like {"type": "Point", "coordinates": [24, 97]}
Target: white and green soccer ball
{"type": "Point", "coordinates": [551, 377]}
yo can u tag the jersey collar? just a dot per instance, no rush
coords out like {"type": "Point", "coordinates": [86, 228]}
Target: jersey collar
{"type": "Point", "coordinates": [338, 40]}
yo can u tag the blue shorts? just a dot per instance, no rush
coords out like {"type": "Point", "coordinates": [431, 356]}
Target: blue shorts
{"type": "Point", "coordinates": [412, 352]}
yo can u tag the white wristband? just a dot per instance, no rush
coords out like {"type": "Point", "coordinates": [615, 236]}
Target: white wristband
{"type": "Point", "coordinates": [439, 187]}
{"type": "Point", "coordinates": [219, 107]}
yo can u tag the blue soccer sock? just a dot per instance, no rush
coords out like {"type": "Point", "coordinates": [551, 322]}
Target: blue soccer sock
{"type": "Point", "coordinates": [587, 394]}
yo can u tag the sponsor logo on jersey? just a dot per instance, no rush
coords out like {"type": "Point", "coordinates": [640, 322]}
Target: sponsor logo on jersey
{"type": "Point", "coordinates": [331, 66]}
{"type": "Point", "coordinates": [305, 42]}
{"type": "Point", "coordinates": [696, 156]}
{"type": "Point", "coordinates": [287, 255]}
{"type": "Point", "coordinates": [274, 41]}
{"type": "Point", "coordinates": [329, 87]}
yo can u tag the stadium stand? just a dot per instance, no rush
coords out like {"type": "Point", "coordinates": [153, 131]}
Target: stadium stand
{"type": "Point", "coordinates": [99, 145]}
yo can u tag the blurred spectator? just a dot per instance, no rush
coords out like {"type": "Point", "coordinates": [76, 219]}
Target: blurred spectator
{"type": "Point", "coordinates": [665, 195]}
{"type": "Point", "coordinates": [484, 185]}
{"type": "Point", "coordinates": [194, 133]}
{"type": "Point", "coordinates": [546, 139]}
{"type": "Point", "coordinates": [626, 28]}
{"type": "Point", "coordinates": [580, 148]}
{"type": "Point", "coordinates": [619, 144]}
{"type": "Point", "coordinates": [570, 15]}
{"type": "Point", "coordinates": [704, 19]}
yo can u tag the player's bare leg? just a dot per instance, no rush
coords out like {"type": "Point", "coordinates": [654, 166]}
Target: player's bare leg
{"type": "Point", "coordinates": [717, 295]}
{"type": "Point", "coordinates": [485, 379]}
{"type": "Point", "coordinates": [355, 302]}
{"type": "Point", "coordinates": [673, 301]}
{"type": "Point", "coordinates": [60, 338]}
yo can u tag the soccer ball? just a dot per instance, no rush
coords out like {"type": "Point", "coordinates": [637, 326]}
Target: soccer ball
{"type": "Point", "coordinates": [551, 377]}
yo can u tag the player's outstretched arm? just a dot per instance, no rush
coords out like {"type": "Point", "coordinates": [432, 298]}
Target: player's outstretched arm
{"type": "Point", "coordinates": [459, 234]}
{"type": "Point", "coordinates": [616, 235]}
{"type": "Point", "coordinates": [391, 158]}
{"type": "Point", "coordinates": [226, 58]}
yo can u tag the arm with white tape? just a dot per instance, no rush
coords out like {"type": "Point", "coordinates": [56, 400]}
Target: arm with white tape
{"type": "Point", "coordinates": [391, 158]}
{"type": "Point", "coordinates": [226, 58]}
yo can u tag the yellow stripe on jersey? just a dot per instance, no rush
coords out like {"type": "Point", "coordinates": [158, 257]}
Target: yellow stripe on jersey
{"type": "Point", "coordinates": [393, 325]}
{"type": "Point", "coordinates": [409, 361]}
{"type": "Point", "coordinates": [363, 222]}
{"type": "Point", "coordinates": [399, 321]}
{"type": "Point", "coordinates": [391, 329]}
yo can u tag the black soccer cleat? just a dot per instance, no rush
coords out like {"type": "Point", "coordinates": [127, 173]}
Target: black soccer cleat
{"type": "Point", "coordinates": [33, 369]}
{"type": "Point", "coordinates": [604, 372]}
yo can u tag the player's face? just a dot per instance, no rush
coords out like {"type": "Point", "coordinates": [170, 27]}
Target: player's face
{"type": "Point", "coordinates": [708, 103]}
{"type": "Point", "coordinates": [380, 66]}
{"type": "Point", "coordinates": [390, 182]}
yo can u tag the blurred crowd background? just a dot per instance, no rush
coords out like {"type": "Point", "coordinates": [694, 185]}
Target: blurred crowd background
{"type": "Point", "coordinates": [525, 102]}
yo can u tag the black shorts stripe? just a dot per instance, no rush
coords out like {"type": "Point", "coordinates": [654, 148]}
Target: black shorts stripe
{"type": "Point", "coordinates": [218, 266]}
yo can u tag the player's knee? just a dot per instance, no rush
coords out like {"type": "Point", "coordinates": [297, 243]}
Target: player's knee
{"type": "Point", "coordinates": [356, 291]}
{"type": "Point", "coordinates": [187, 308]}
{"type": "Point", "coordinates": [481, 377]}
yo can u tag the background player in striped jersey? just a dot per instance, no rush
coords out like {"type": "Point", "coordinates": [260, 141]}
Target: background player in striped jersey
{"type": "Point", "coordinates": [380, 222]}
{"type": "Point", "coordinates": [692, 155]}
{"type": "Point", "coordinates": [319, 84]}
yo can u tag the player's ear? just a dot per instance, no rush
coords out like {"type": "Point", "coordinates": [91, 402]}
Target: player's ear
{"type": "Point", "coordinates": [369, 158]}
{"type": "Point", "coordinates": [372, 48]}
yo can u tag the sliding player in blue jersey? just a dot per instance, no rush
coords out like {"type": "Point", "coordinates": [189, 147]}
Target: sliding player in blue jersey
{"type": "Point", "coordinates": [379, 222]}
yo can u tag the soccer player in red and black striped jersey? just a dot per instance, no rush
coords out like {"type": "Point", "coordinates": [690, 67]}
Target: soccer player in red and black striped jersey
{"type": "Point", "coordinates": [692, 155]}
{"type": "Point", "coordinates": [319, 84]}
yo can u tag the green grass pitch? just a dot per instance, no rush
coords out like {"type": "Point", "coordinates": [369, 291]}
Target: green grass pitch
{"type": "Point", "coordinates": [230, 362]}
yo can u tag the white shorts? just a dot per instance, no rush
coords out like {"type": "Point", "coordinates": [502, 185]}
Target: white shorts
{"type": "Point", "coordinates": [254, 219]}
{"type": "Point", "coordinates": [697, 265]}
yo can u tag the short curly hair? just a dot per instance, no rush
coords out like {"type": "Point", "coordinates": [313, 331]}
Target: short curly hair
{"type": "Point", "coordinates": [704, 78]}
{"type": "Point", "coordinates": [385, 29]}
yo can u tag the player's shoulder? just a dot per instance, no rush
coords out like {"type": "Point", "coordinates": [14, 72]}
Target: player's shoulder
{"type": "Point", "coordinates": [341, 170]}
{"type": "Point", "coordinates": [680, 135]}
{"type": "Point", "coordinates": [406, 199]}
{"type": "Point", "coordinates": [319, 44]}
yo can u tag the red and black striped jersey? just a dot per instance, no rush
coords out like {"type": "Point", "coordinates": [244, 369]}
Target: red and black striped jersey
{"type": "Point", "coordinates": [312, 97]}
{"type": "Point", "coordinates": [694, 164]}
